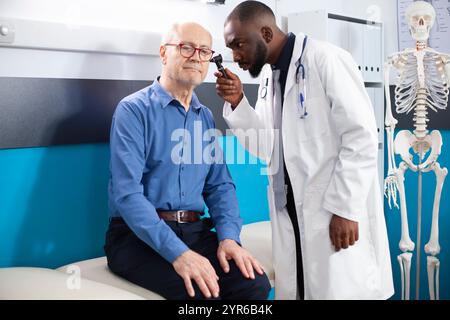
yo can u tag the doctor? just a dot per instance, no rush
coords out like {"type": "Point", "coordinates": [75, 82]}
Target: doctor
{"type": "Point", "coordinates": [320, 144]}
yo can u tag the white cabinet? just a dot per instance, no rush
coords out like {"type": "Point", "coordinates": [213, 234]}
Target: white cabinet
{"type": "Point", "coordinates": [364, 41]}
{"type": "Point", "coordinates": [338, 33]}
{"type": "Point", "coordinates": [362, 38]}
{"type": "Point", "coordinates": [372, 53]}
{"type": "Point", "coordinates": [356, 38]}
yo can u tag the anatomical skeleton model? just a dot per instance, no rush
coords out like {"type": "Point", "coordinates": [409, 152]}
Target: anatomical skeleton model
{"type": "Point", "coordinates": [423, 83]}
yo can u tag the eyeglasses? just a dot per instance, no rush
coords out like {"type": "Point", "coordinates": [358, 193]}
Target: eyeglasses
{"type": "Point", "coordinates": [188, 51]}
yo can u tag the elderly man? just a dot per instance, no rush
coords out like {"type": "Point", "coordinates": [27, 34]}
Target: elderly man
{"type": "Point", "coordinates": [156, 237]}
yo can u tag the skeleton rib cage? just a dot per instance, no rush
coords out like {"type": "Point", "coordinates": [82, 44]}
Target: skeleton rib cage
{"type": "Point", "coordinates": [408, 85]}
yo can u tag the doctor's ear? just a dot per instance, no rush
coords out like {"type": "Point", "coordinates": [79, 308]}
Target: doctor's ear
{"type": "Point", "coordinates": [267, 34]}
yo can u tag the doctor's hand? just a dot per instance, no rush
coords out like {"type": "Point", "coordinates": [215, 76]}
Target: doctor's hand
{"type": "Point", "coordinates": [343, 232]}
{"type": "Point", "coordinates": [193, 266]}
{"type": "Point", "coordinates": [229, 249]}
{"type": "Point", "coordinates": [229, 89]}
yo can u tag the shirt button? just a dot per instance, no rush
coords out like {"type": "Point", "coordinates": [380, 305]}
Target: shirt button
{"type": "Point", "coordinates": [182, 194]}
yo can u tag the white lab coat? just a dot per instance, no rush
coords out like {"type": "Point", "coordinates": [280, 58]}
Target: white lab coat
{"type": "Point", "coordinates": [331, 158]}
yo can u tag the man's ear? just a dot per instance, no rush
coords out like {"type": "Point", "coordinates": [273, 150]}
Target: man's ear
{"type": "Point", "coordinates": [162, 54]}
{"type": "Point", "coordinates": [267, 34]}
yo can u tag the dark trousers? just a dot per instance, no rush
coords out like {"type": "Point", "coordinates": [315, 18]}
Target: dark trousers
{"type": "Point", "coordinates": [290, 206]}
{"type": "Point", "coordinates": [132, 259]}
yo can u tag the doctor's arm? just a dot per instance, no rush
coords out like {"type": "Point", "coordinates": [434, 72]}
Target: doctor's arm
{"type": "Point", "coordinates": [354, 121]}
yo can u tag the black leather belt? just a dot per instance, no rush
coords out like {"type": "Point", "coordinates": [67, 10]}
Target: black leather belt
{"type": "Point", "coordinates": [180, 216]}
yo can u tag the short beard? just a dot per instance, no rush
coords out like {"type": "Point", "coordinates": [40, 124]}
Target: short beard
{"type": "Point", "coordinates": [260, 59]}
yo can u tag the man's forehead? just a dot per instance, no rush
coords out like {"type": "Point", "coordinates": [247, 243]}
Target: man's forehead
{"type": "Point", "coordinates": [234, 29]}
{"type": "Point", "coordinates": [199, 37]}
{"type": "Point", "coordinates": [233, 26]}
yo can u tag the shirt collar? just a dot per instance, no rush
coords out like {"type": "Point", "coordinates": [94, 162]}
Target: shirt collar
{"type": "Point", "coordinates": [284, 59]}
{"type": "Point", "coordinates": [165, 98]}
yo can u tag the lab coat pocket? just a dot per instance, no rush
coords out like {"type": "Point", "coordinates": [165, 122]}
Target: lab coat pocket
{"type": "Point", "coordinates": [316, 123]}
{"type": "Point", "coordinates": [315, 215]}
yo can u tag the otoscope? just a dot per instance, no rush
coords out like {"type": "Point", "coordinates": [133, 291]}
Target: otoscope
{"type": "Point", "coordinates": [218, 61]}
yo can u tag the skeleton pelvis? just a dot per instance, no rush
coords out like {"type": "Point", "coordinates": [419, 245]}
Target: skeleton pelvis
{"type": "Point", "coordinates": [406, 140]}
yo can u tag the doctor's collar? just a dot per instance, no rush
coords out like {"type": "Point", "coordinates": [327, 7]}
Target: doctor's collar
{"type": "Point", "coordinates": [286, 54]}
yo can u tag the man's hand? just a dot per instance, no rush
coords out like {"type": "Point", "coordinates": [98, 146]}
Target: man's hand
{"type": "Point", "coordinates": [229, 89]}
{"type": "Point", "coordinates": [229, 249]}
{"type": "Point", "coordinates": [343, 232]}
{"type": "Point", "coordinates": [190, 265]}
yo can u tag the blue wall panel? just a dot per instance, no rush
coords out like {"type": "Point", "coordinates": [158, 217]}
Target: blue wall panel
{"type": "Point", "coordinates": [53, 202]}
{"type": "Point", "coordinates": [53, 207]}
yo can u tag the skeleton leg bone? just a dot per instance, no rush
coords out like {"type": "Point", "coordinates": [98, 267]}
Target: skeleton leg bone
{"type": "Point", "coordinates": [433, 283]}
{"type": "Point", "coordinates": [405, 243]}
{"type": "Point", "coordinates": [402, 276]}
{"type": "Point", "coordinates": [432, 247]}
{"type": "Point", "coordinates": [404, 260]}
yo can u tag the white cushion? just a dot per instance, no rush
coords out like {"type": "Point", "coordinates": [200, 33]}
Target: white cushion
{"type": "Point", "coordinates": [48, 284]}
{"type": "Point", "coordinates": [97, 270]}
{"type": "Point", "coordinates": [257, 239]}
{"type": "Point", "coordinates": [98, 282]}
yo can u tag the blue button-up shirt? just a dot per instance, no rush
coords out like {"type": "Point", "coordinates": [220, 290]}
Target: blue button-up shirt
{"type": "Point", "coordinates": [164, 157]}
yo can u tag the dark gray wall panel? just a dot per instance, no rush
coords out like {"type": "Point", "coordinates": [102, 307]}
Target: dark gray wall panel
{"type": "Point", "coordinates": [44, 111]}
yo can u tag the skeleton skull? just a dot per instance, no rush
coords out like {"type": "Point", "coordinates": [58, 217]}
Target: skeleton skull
{"type": "Point", "coordinates": [420, 16]}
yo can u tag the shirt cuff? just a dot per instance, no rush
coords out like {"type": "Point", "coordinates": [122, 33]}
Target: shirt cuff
{"type": "Point", "coordinates": [174, 251]}
{"type": "Point", "coordinates": [228, 233]}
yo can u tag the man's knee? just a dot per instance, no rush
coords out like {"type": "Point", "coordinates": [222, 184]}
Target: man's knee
{"type": "Point", "coordinates": [257, 289]}
{"type": "Point", "coordinates": [263, 285]}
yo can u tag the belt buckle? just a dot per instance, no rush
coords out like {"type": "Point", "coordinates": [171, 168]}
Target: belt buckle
{"type": "Point", "coordinates": [179, 212]}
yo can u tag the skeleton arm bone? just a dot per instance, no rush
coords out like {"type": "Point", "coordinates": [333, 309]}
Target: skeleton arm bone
{"type": "Point", "coordinates": [390, 121]}
{"type": "Point", "coordinates": [390, 184]}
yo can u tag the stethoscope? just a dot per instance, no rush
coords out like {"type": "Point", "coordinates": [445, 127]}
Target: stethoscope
{"type": "Point", "coordinates": [300, 76]}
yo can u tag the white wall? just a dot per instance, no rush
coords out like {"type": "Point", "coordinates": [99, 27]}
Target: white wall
{"type": "Point", "coordinates": [71, 18]}
{"type": "Point", "coordinates": [149, 15]}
